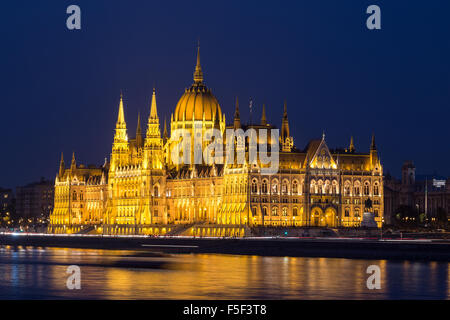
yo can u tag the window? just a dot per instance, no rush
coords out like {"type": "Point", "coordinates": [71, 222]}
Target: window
{"type": "Point", "coordinates": [275, 186]}
{"type": "Point", "coordinates": [264, 186]}
{"type": "Point", "coordinates": [155, 213]}
{"type": "Point", "coordinates": [313, 187]}
{"type": "Point", "coordinates": [376, 190]}
{"type": "Point", "coordinates": [347, 212]}
{"type": "Point", "coordinates": [294, 187]}
{"type": "Point", "coordinates": [375, 212]}
{"type": "Point", "coordinates": [264, 211]}
{"type": "Point", "coordinates": [366, 188]}
{"type": "Point", "coordinates": [294, 212]}
{"type": "Point", "coordinates": [347, 189]}
{"type": "Point", "coordinates": [156, 189]}
{"type": "Point", "coordinates": [357, 189]}
{"type": "Point", "coordinates": [284, 212]}
{"type": "Point", "coordinates": [284, 187]}
{"type": "Point", "coordinates": [274, 211]}
{"type": "Point", "coordinates": [254, 186]}
{"type": "Point", "coordinates": [254, 211]}
{"type": "Point", "coordinates": [74, 196]}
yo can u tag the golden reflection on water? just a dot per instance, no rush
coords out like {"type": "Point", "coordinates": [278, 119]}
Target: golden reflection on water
{"type": "Point", "coordinates": [41, 273]}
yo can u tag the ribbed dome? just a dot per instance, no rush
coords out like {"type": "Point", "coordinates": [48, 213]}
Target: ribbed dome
{"type": "Point", "coordinates": [196, 101]}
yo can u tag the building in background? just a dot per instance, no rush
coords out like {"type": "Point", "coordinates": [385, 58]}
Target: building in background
{"type": "Point", "coordinates": [7, 208]}
{"type": "Point", "coordinates": [142, 191]}
{"type": "Point", "coordinates": [429, 194]}
{"type": "Point", "coordinates": [35, 201]}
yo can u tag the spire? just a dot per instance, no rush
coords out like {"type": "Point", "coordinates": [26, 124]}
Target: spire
{"type": "Point", "coordinates": [323, 135]}
{"type": "Point", "coordinates": [373, 145]}
{"type": "Point", "coordinates": [138, 132]}
{"type": "Point", "coordinates": [62, 166]}
{"type": "Point", "coordinates": [73, 165]}
{"type": "Point", "coordinates": [263, 116]}
{"type": "Point", "coordinates": [153, 109]}
{"type": "Point", "coordinates": [285, 123]}
{"type": "Point", "coordinates": [165, 134]}
{"type": "Point", "coordinates": [198, 74]}
{"type": "Point", "coordinates": [351, 148]}
{"type": "Point", "coordinates": [138, 126]}
{"type": "Point", "coordinates": [121, 116]}
{"type": "Point", "coordinates": [237, 117]}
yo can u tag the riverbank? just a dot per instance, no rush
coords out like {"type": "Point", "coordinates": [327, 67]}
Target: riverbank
{"type": "Point", "coordinates": [352, 248]}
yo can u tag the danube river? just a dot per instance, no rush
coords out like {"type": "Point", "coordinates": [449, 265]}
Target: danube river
{"type": "Point", "coordinates": [40, 273]}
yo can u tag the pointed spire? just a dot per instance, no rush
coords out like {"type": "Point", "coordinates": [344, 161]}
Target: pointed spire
{"type": "Point", "coordinates": [198, 74]}
{"type": "Point", "coordinates": [73, 165]}
{"type": "Point", "coordinates": [138, 126]}
{"type": "Point", "coordinates": [237, 116]}
{"type": "Point", "coordinates": [285, 116]}
{"type": "Point", "coordinates": [373, 145]}
{"type": "Point", "coordinates": [165, 134]}
{"type": "Point", "coordinates": [62, 166]}
{"type": "Point", "coordinates": [323, 135]}
{"type": "Point", "coordinates": [263, 116]}
{"type": "Point", "coordinates": [121, 116]}
{"type": "Point", "coordinates": [153, 109]}
{"type": "Point", "coordinates": [351, 147]}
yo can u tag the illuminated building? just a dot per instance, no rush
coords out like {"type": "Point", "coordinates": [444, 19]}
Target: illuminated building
{"type": "Point", "coordinates": [142, 191]}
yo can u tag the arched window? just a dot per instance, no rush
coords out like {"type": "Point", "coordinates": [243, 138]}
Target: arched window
{"type": "Point", "coordinates": [295, 212]}
{"type": "Point", "coordinates": [254, 186]}
{"type": "Point", "coordinates": [274, 211]}
{"type": "Point", "coordinates": [74, 197]}
{"type": "Point", "coordinates": [357, 213]}
{"type": "Point", "coordinates": [284, 187]}
{"type": "Point", "coordinates": [320, 186]}
{"type": "Point", "coordinates": [284, 211]}
{"type": "Point", "coordinates": [327, 187]}
{"type": "Point", "coordinates": [357, 189]}
{"type": "Point", "coordinates": [264, 186]}
{"type": "Point", "coordinates": [295, 187]}
{"type": "Point", "coordinates": [264, 209]}
{"type": "Point", "coordinates": [366, 188]}
{"type": "Point", "coordinates": [347, 212]}
{"type": "Point", "coordinates": [81, 195]}
{"type": "Point", "coordinates": [347, 188]}
{"type": "Point", "coordinates": [376, 189]}
{"type": "Point", "coordinates": [313, 187]}
{"type": "Point", "coordinates": [334, 187]}
{"type": "Point", "coordinates": [274, 186]}
{"type": "Point", "coordinates": [156, 191]}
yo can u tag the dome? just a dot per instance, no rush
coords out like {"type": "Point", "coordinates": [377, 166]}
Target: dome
{"type": "Point", "coordinates": [197, 101]}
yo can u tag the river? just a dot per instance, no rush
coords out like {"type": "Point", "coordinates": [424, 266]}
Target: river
{"type": "Point", "coordinates": [40, 273]}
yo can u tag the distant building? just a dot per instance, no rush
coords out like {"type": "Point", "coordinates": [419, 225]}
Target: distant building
{"type": "Point", "coordinates": [35, 200]}
{"type": "Point", "coordinates": [427, 194]}
{"type": "Point", "coordinates": [6, 205]}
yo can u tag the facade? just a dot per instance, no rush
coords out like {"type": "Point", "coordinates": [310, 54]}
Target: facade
{"type": "Point", "coordinates": [35, 200]}
{"type": "Point", "coordinates": [428, 195]}
{"type": "Point", "coordinates": [7, 206]}
{"type": "Point", "coordinates": [142, 190]}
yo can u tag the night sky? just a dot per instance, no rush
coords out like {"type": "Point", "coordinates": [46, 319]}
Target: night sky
{"type": "Point", "coordinates": [60, 88]}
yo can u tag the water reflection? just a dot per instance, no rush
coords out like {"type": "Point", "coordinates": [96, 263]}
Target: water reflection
{"type": "Point", "coordinates": [40, 273]}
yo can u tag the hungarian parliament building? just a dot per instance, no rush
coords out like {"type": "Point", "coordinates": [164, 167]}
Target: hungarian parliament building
{"type": "Point", "coordinates": [141, 190]}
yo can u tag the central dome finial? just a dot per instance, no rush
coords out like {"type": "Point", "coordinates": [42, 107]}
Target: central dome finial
{"type": "Point", "coordinates": [198, 74]}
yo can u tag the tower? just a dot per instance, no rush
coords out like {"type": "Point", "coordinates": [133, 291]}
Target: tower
{"type": "Point", "coordinates": [263, 116]}
{"type": "Point", "coordinates": [120, 148]}
{"type": "Point", "coordinates": [351, 147]}
{"type": "Point", "coordinates": [287, 142]}
{"type": "Point", "coordinates": [237, 116]}
{"type": "Point", "coordinates": [62, 166]}
{"type": "Point", "coordinates": [153, 158]}
{"type": "Point", "coordinates": [408, 173]}
{"type": "Point", "coordinates": [374, 162]}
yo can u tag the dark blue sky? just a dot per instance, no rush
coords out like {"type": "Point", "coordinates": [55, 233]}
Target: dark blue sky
{"type": "Point", "coordinates": [60, 88]}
